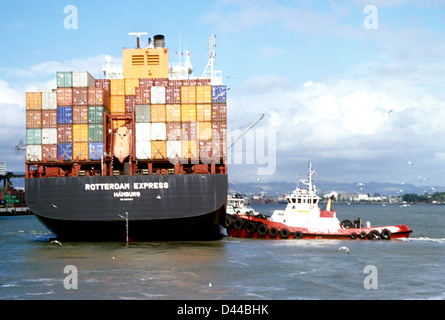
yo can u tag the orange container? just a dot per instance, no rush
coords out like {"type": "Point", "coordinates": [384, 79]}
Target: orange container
{"type": "Point", "coordinates": [188, 112]}
{"type": "Point", "coordinates": [130, 86]}
{"type": "Point", "coordinates": [80, 150]}
{"type": "Point", "coordinates": [80, 133]}
{"type": "Point", "coordinates": [159, 149]}
{"type": "Point", "coordinates": [204, 130]}
{"type": "Point", "coordinates": [117, 104]}
{"type": "Point", "coordinates": [203, 94]}
{"type": "Point", "coordinates": [117, 87]}
{"type": "Point", "coordinates": [189, 149]}
{"type": "Point", "coordinates": [33, 100]}
{"type": "Point", "coordinates": [157, 113]}
{"type": "Point", "coordinates": [204, 112]}
{"type": "Point", "coordinates": [173, 113]}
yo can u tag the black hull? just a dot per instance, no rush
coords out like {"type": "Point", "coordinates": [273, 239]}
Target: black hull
{"type": "Point", "coordinates": [170, 207]}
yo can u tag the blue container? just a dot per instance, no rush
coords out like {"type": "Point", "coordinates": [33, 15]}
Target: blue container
{"type": "Point", "coordinates": [64, 115]}
{"type": "Point", "coordinates": [65, 150]}
{"type": "Point", "coordinates": [219, 94]}
{"type": "Point", "coordinates": [95, 150]}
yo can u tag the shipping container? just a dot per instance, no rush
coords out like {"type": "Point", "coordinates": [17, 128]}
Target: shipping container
{"type": "Point", "coordinates": [80, 133]}
{"type": "Point", "coordinates": [203, 94]}
{"type": "Point", "coordinates": [64, 79]}
{"type": "Point", "coordinates": [157, 113]}
{"type": "Point", "coordinates": [98, 97]}
{"type": "Point", "coordinates": [96, 114]}
{"type": "Point", "coordinates": [204, 130]}
{"type": "Point", "coordinates": [104, 84]}
{"type": "Point", "coordinates": [174, 149]}
{"type": "Point", "coordinates": [219, 130]}
{"type": "Point", "coordinates": [173, 113]}
{"type": "Point", "coordinates": [174, 130]}
{"type": "Point", "coordinates": [80, 114]}
{"type": "Point", "coordinates": [130, 86]}
{"type": "Point", "coordinates": [33, 100]}
{"type": "Point", "coordinates": [203, 82]}
{"type": "Point", "coordinates": [173, 95]}
{"type": "Point", "coordinates": [189, 149]}
{"type": "Point", "coordinates": [209, 150]}
{"type": "Point", "coordinates": [142, 113]}
{"type": "Point", "coordinates": [188, 94]}
{"type": "Point", "coordinates": [219, 112]}
{"type": "Point", "coordinates": [49, 100]}
{"type": "Point", "coordinates": [146, 82]}
{"type": "Point", "coordinates": [117, 104]}
{"type": "Point", "coordinates": [80, 96]}
{"type": "Point", "coordinates": [64, 115]}
{"type": "Point", "coordinates": [65, 150]}
{"type": "Point", "coordinates": [204, 112]}
{"type": "Point", "coordinates": [143, 131]}
{"type": "Point", "coordinates": [157, 95]}
{"type": "Point", "coordinates": [130, 102]}
{"type": "Point", "coordinates": [189, 130]}
{"type": "Point", "coordinates": [33, 136]}
{"type": "Point", "coordinates": [49, 118]}
{"type": "Point", "coordinates": [143, 95]}
{"type": "Point", "coordinates": [143, 150]}
{"type": "Point", "coordinates": [49, 152]}
{"type": "Point", "coordinates": [188, 112]}
{"type": "Point", "coordinates": [64, 133]}
{"type": "Point", "coordinates": [80, 151]}
{"type": "Point", "coordinates": [33, 119]}
{"type": "Point", "coordinates": [96, 132]}
{"type": "Point", "coordinates": [34, 152]}
{"type": "Point", "coordinates": [49, 136]}
{"type": "Point", "coordinates": [64, 96]}
{"type": "Point", "coordinates": [95, 150]}
{"type": "Point", "coordinates": [83, 79]}
{"type": "Point", "coordinates": [219, 94]}
{"type": "Point", "coordinates": [117, 87]}
{"type": "Point", "coordinates": [158, 131]}
{"type": "Point", "coordinates": [160, 82]}
{"type": "Point", "coordinates": [159, 149]}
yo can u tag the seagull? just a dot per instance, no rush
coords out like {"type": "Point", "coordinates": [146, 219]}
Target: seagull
{"type": "Point", "coordinates": [410, 162]}
{"type": "Point", "coordinates": [158, 197]}
{"type": "Point", "coordinates": [55, 241]}
{"type": "Point", "coordinates": [343, 248]}
{"type": "Point", "coordinates": [210, 284]}
{"type": "Point", "coordinates": [54, 205]}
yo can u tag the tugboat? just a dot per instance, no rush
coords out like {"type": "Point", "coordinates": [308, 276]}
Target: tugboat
{"type": "Point", "coordinates": [238, 205]}
{"type": "Point", "coordinates": [303, 219]}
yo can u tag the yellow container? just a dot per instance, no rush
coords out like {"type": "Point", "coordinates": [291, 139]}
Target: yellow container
{"type": "Point", "coordinates": [204, 112]}
{"type": "Point", "coordinates": [117, 104]}
{"type": "Point", "coordinates": [189, 149]}
{"type": "Point", "coordinates": [203, 94]}
{"type": "Point", "coordinates": [159, 149]}
{"type": "Point", "coordinates": [157, 113]}
{"type": "Point", "coordinates": [117, 87]}
{"type": "Point", "coordinates": [80, 132]}
{"type": "Point", "coordinates": [80, 150]}
{"type": "Point", "coordinates": [204, 130]}
{"type": "Point", "coordinates": [173, 113]}
{"type": "Point", "coordinates": [188, 94]}
{"type": "Point", "coordinates": [130, 86]}
{"type": "Point", "coordinates": [188, 112]}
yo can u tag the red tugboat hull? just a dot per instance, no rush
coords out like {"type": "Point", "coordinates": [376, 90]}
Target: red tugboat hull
{"type": "Point", "coordinates": [258, 228]}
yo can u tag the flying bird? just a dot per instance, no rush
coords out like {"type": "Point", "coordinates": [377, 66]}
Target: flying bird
{"type": "Point", "coordinates": [343, 248]}
{"type": "Point", "coordinates": [410, 162]}
{"type": "Point", "coordinates": [58, 242]}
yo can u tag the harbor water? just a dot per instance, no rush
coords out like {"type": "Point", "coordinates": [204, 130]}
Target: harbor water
{"type": "Point", "coordinates": [32, 266]}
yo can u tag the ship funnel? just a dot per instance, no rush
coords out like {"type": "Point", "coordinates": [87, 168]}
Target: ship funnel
{"type": "Point", "coordinates": [159, 41]}
{"type": "Point", "coordinates": [329, 203]}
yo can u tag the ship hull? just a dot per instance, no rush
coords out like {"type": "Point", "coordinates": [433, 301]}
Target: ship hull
{"type": "Point", "coordinates": [158, 207]}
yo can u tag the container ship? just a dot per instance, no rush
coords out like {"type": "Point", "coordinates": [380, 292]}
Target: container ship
{"type": "Point", "coordinates": [139, 154]}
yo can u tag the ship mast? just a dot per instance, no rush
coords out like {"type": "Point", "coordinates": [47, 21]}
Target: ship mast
{"type": "Point", "coordinates": [209, 71]}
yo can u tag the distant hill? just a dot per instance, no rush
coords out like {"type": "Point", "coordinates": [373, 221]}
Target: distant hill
{"type": "Point", "coordinates": [274, 189]}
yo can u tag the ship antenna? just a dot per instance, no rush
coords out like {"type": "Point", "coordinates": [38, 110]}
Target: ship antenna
{"type": "Point", "coordinates": [138, 35]}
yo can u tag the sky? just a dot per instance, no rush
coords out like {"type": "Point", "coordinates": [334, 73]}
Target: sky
{"type": "Point", "coordinates": [356, 87]}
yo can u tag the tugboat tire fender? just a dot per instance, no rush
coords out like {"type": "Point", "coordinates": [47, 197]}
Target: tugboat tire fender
{"type": "Point", "coordinates": [374, 234]}
{"type": "Point", "coordinates": [238, 224]}
{"type": "Point", "coordinates": [273, 232]}
{"type": "Point", "coordinates": [250, 227]}
{"type": "Point", "coordinates": [363, 235]}
{"type": "Point", "coordinates": [229, 221]}
{"type": "Point", "coordinates": [386, 234]}
{"type": "Point", "coordinates": [298, 235]}
{"type": "Point", "coordinates": [353, 235]}
{"type": "Point", "coordinates": [262, 229]}
{"type": "Point", "coordinates": [284, 233]}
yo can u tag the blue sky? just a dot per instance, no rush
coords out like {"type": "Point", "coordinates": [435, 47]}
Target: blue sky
{"type": "Point", "coordinates": [360, 103]}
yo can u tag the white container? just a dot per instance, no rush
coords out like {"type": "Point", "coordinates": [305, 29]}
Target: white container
{"type": "Point", "coordinates": [143, 131]}
{"type": "Point", "coordinates": [174, 149]}
{"type": "Point", "coordinates": [49, 100]}
{"type": "Point", "coordinates": [157, 95]}
{"type": "Point", "coordinates": [143, 150]}
{"type": "Point", "coordinates": [34, 152]}
{"type": "Point", "coordinates": [83, 79]}
{"type": "Point", "coordinates": [49, 136]}
{"type": "Point", "coordinates": [158, 131]}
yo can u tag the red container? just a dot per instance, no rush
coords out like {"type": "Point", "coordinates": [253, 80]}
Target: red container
{"type": "Point", "coordinates": [33, 119]}
{"type": "Point", "coordinates": [49, 152]}
{"type": "Point", "coordinates": [189, 130]}
{"type": "Point", "coordinates": [219, 112]}
{"type": "Point", "coordinates": [173, 94]}
{"type": "Point", "coordinates": [99, 97]}
{"type": "Point", "coordinates": [146, 82]}
{"type": "Point", "coordinates": [64, 96]}
{"type": "Point", "coordinates": [142, 94]}
{"type": "Point", "coordinates": [203, 82]}
{"type": "Point", "coordinates": [49, 118]}
{"type": "Point", "coordinates": [65, 133]}
{"type": "Point", "coordinates": [80, 96]}
{"type": "Point", "coordinates": [174, 83]}
{"type": "Point", "coordinates": [174, 131]}
{"type": "Point", "coordinates": [130, 102]}
{"type": "Point", "coordinates": [104, 84]}
{"type": "Point", "coordinates": [219, 130]}
{"type": "Point", "coordinates": [160, 82]}
{"type": "Point", "coordinates": [80, 114]}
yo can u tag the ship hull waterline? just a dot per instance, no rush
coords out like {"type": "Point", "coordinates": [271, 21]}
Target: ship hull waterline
{"type": "Point", "coordinates": [140, 208]}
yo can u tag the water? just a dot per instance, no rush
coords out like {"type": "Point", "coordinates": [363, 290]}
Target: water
{"type": "Point", "coordinates": [31, 267]}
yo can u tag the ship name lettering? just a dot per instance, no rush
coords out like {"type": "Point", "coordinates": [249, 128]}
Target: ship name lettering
{"type": "Point", "coordinates": [106, 186]}
{"type": "Point", "coordinates": [150, 185]}
{"type": "Point", "coordinates": [121, 194]}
